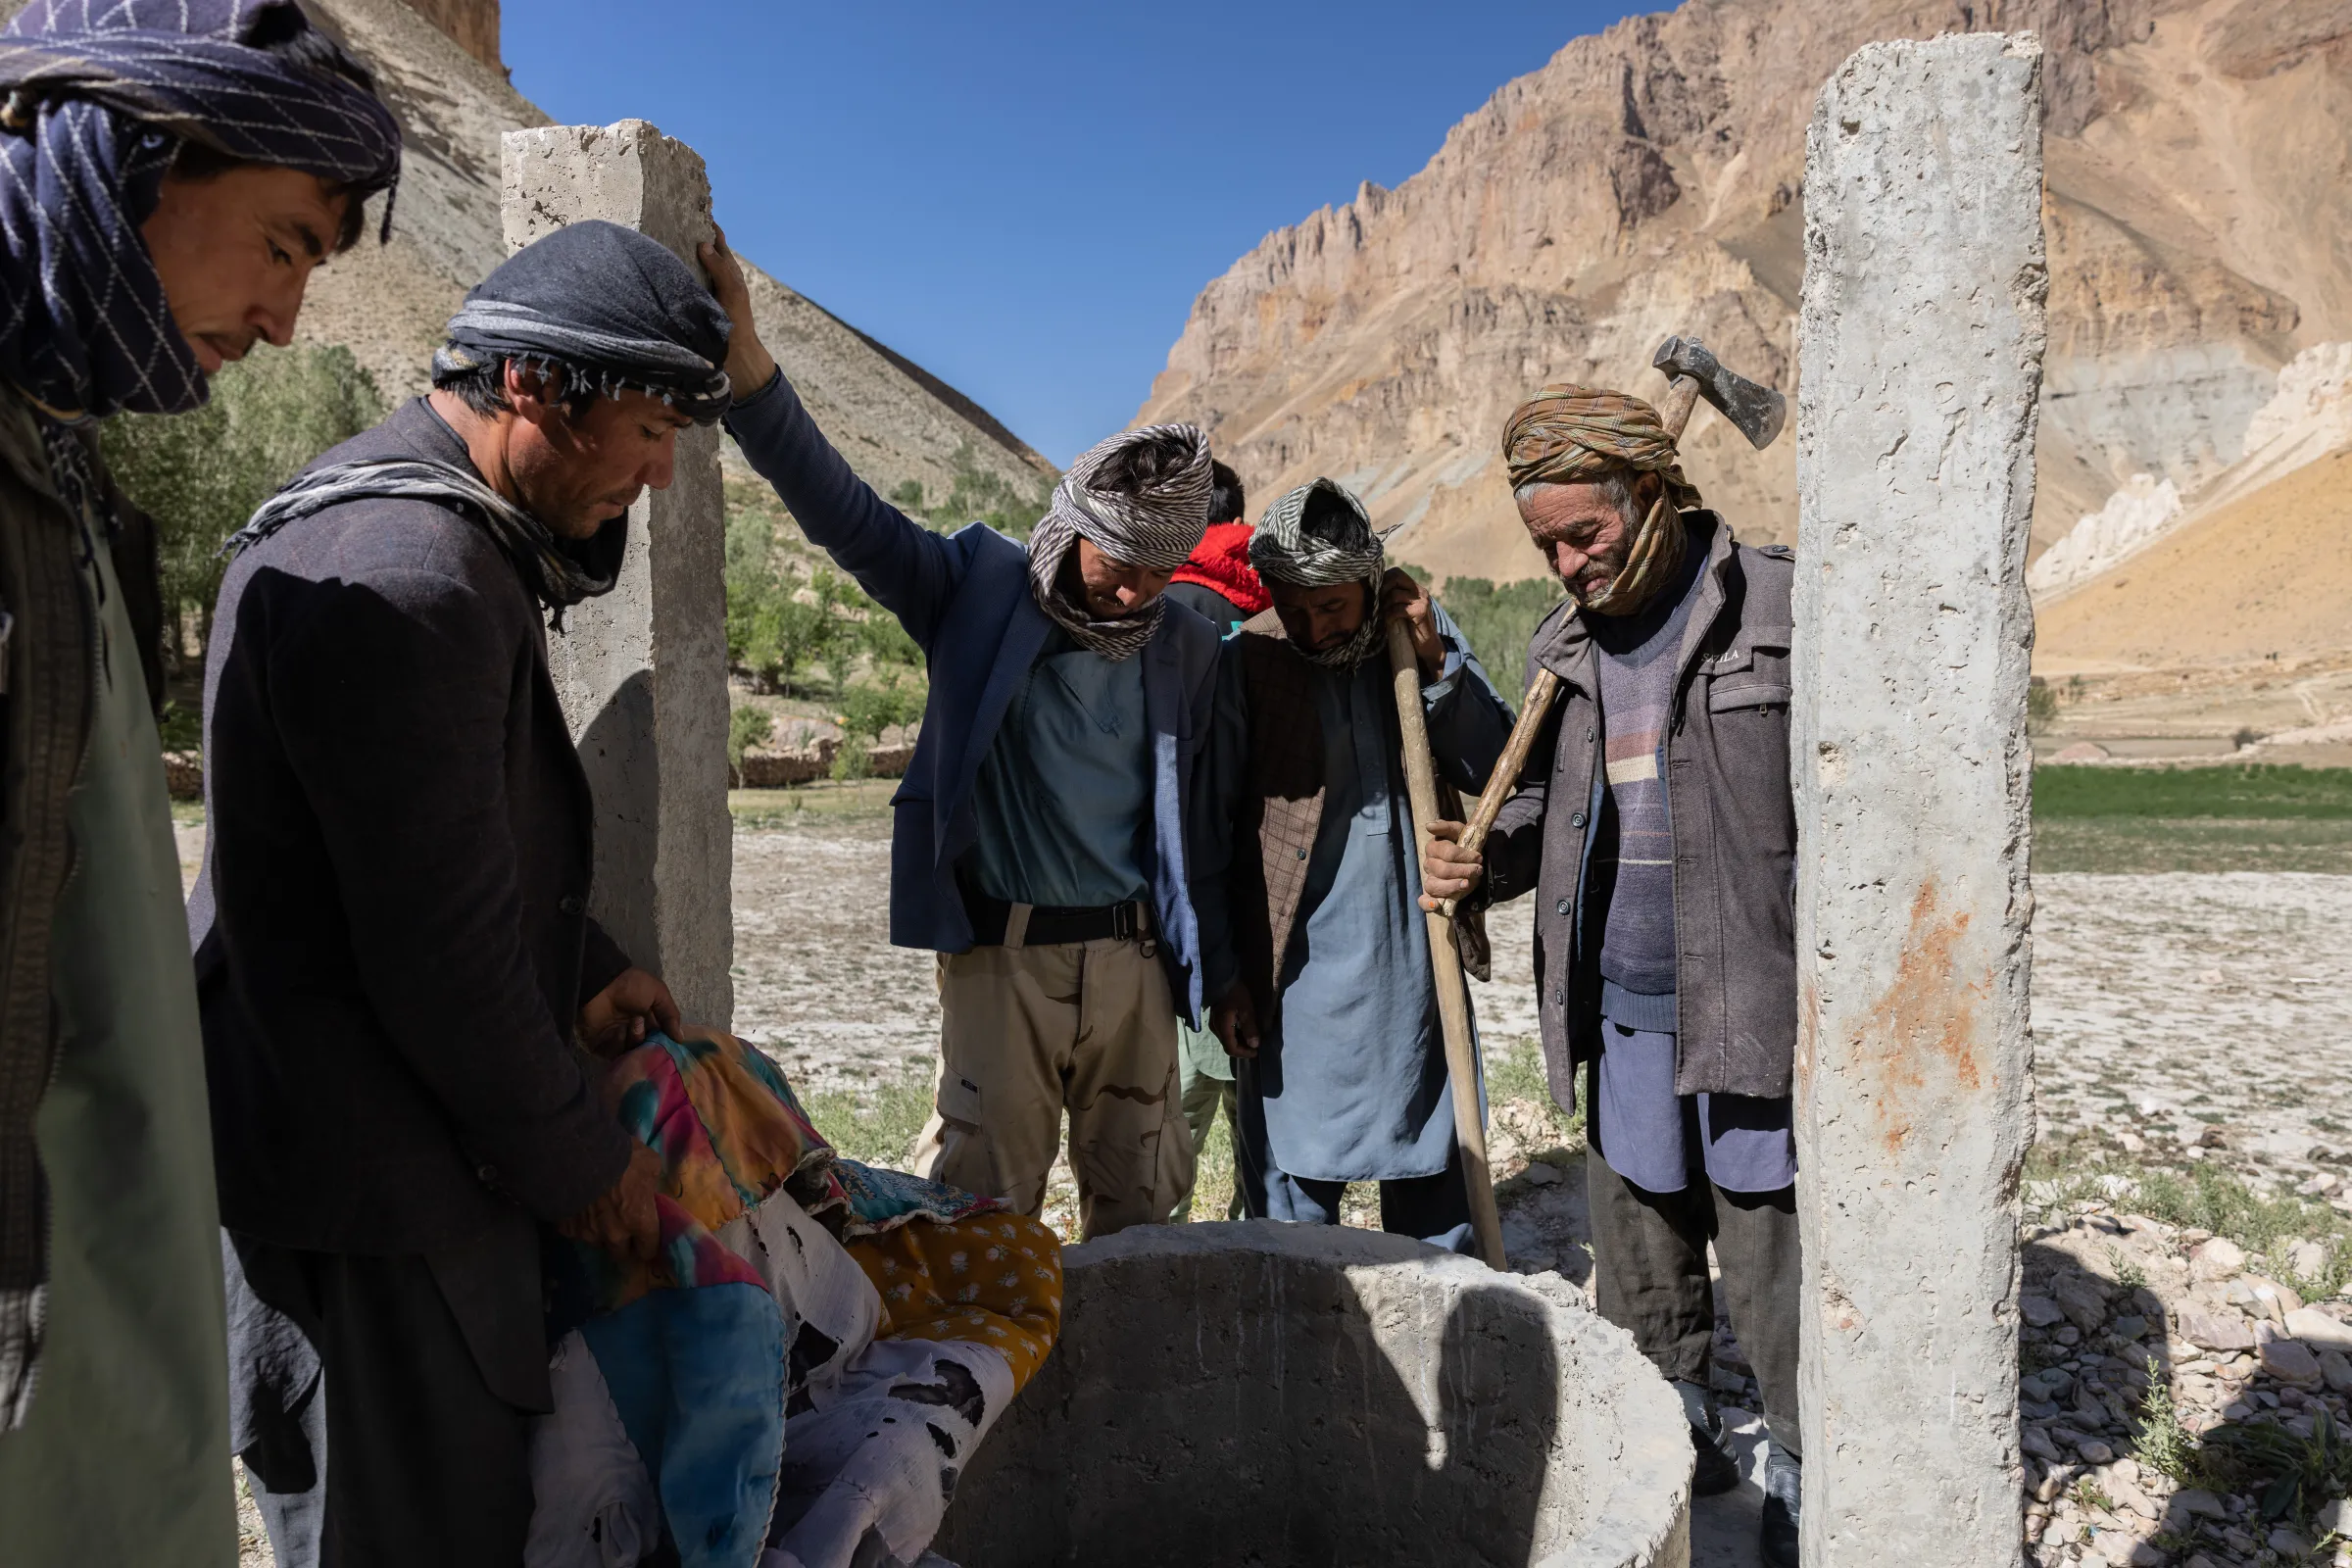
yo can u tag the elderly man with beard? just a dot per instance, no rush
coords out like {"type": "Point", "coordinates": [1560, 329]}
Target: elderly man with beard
{"type": "Point", "coordinates": [1315, 943]}
{"type": "Point", "coordinates": [393, 949]}
{"type": "Point", "coordinates": [170, 172]}
{"type": "Point", "coordinates": [1656, 829]}
{"type": "Point", "coordinates": [1040, 846]}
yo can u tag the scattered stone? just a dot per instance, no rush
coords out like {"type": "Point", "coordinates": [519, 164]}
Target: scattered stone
{"type": "Point", "coordinates": [2320, 1186]}
{"type": "Point", "coordinates": [2289, 1362]}
{"type": "Point", "coordinates": [2336, 1369]}
{"type": "Point", "coordinates": [2277, 1300]}
{"type": "Point", "coordinates": [2094, 1451]}
{"type": "Point", "coordinates": [1540, 1174]}
{"type": "Point", "coordinates": [1726, 1381]}
{"type": "Point", "coordinates": [2317, 1330]}
{"type": "Point", "coordinates": [2307, 1259]}
{"type": "Point", "coordinates": [2333, 1520]}
{"type": "Point", "coordinates": [2129, 1328]}
{"type": "Point", "coordinates": [2082, 752]}
{"type": "Point", "coordinates": [2201, 1504]}
{"type": "Point", "coordinates": [2126, 1494]}
{"type": "Point", "coordinates": [2083, 1299]}
{"type": "Point", "coordinates": [2216, 1331]}
{"type": "Point", "coordinates": [2039, 1310]}
{"type": "Point", "coordinates": [2288, 1544]}
{"type": "Point", "coordinates": [2216, 1259]}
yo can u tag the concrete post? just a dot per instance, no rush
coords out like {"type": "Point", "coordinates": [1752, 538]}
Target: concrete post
{"type": "Point", "coordinates": [642, 671]}
{"type": "Point", "coordinates": [1920, 352]}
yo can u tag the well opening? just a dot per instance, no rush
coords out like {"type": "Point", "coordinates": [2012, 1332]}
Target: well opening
{"type": "Point", "coordinates": [1295, 1397]}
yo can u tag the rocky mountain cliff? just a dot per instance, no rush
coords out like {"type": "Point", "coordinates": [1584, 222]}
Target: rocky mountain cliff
{"type": "Point", "coordinates": [1647, 180]}
{"type": "Point", "coordinates": [437, 62]}
{"type": "Point", "coordinates": [893, 420]}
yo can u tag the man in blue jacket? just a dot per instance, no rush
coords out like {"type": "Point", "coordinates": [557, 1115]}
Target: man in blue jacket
{"type": "Point", "coordinates": [1040, 831]}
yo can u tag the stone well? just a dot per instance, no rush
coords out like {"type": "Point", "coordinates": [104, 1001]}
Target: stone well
{"type": "Point", "coordinates": [1295, 1396]}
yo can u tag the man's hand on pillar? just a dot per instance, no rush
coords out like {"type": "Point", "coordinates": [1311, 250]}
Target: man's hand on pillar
{"type": "Point", "coordinates": [1233, 1019]}
{"type": "Point", "coordinates": [1447, 870]}
{"type": "Point", "coordinates": [624, 1221]}
{"type": "Point", "coordinates": [621, 1015]}
{"type": "Point", "coordinates": [749, 363]}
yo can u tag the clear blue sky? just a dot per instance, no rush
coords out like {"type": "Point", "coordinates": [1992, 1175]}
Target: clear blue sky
{"type": "Point", "coordinates": [1025, 196]}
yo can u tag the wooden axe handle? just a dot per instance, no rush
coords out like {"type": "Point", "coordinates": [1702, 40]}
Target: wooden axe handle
{"type": "Point", "coordinates": [1674, 413]}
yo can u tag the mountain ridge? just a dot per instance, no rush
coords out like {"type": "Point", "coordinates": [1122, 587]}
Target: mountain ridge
{"type": "Point", "coordinates": [1647, 180]}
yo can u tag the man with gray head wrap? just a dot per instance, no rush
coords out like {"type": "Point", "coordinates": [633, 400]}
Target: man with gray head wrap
{"type": "Point", "coordinates": [1314, 942]}
{"type": "Point", "coordinates": [1040, 846]}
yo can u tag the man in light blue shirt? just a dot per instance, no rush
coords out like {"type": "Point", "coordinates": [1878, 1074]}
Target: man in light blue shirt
{"type": "Point", "coordinates": [1040, 845]}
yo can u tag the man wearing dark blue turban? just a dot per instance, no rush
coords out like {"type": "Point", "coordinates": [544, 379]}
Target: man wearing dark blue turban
{"type": "Point", "coordinates": [393, 943]}
{"type": "Point", "coordinates": [171, 171]}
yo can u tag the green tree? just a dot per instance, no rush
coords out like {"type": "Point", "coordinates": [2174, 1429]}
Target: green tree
{"type": "Point", "coordinates": [201, 474]}
{"type": "Point", "coordinates": [747, 727]}
{"type": "Point", "coordinates": [1498, 621]}
{"type": "Point", "coordinates": [977, 495]}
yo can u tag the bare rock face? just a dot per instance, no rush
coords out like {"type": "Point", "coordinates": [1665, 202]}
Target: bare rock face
{"type": "Point", "coordinates": [893, 420]}
{"type": "Point", "coordinates": [1647, 182]}
{"type": "Point", "coordinates": [472, 25]}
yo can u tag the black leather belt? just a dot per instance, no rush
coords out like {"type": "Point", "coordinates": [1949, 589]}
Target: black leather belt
{"type": "Point", "coordinates": [1052, 924]}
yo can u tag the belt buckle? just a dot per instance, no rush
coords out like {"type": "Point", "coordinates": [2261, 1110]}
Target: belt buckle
{"type": "Point", "coordinates": [1123, 922]}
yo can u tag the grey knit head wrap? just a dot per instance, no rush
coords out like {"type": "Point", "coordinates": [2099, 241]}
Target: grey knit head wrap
{"type": "Point", "coordinates": [1156, 530]}
{"type": "Point", "coordinates": [1317, 536]}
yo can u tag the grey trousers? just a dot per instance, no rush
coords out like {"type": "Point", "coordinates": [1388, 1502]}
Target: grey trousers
{"type": "Point", "coordinates": [1649, 1266]}
{"type": "Point", "coordinates": [413, 1459]}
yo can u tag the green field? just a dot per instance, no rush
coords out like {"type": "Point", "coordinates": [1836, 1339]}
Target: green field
{"type": "Point", "coordinates": [2204, 820]}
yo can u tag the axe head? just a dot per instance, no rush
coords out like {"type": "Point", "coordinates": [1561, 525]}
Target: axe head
{"type": "Point", "coordinates": [1756, 411]}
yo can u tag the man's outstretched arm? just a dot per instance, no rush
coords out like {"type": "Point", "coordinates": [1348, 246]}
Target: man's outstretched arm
{"type": "Point", "coordinates": [910, 571]}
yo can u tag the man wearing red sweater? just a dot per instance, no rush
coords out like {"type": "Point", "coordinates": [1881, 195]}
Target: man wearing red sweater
{"type": "Point", "coordinates": [1218, 584]}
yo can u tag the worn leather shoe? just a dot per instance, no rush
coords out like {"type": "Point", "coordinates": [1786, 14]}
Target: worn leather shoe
{"type": "Point", "coordinates": [1716, 1472]}
{"type": "Point", "coordinates": [1776, 1542]}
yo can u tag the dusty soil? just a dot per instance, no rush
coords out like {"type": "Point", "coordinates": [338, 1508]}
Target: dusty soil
{"type": "Point", "coordinates": [2180, 1019]}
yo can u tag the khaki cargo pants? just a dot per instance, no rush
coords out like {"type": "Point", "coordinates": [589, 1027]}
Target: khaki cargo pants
{"type": "Point", "coordinates": [1030, 1032]}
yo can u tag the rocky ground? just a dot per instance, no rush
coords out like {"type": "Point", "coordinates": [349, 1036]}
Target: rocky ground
{"type": "Point", "coordinates": [2186, 1336]}
{"type": "Point", "coordinates": [2184, 1025]}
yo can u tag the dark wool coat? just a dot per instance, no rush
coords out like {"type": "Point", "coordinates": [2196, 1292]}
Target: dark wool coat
{"type": "Point", "coordinates": [1734, 833]}
{"type": "Point", "coordinates": [391, 930]}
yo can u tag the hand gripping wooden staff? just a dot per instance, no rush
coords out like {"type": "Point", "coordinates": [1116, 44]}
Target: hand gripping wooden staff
{"type": "Point", "coordinates": [1758, 413]}
{"type": "Point", "coordinates": [1445, 962]}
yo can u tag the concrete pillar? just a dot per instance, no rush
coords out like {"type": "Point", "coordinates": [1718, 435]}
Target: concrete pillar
{"type": "Point", "coordinates": [1920, 358]}
{"type": "Point", "coordinates": [642, 671]}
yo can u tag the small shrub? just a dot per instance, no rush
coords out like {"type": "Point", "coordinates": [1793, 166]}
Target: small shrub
{"type": "Point", "coordinates": [747, 727]}
{"type": "Point", "coordinates": [2163, 1443]}
{"type": "Point", "coordinates": [2042, 705]}
{"type": "Point", "coordinates": [854, 760]}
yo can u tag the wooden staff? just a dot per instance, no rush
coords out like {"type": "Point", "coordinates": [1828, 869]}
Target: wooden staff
{"type": "Point", "coordinates": [1453, 996]}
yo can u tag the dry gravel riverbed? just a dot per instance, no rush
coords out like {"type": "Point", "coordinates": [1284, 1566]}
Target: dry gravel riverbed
{"type": "Point", "coordinates": [2183, 1023]}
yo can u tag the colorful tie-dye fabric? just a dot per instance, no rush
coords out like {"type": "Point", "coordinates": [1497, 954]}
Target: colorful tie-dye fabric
{"type": "Point", "coordinates": [696, 1353]}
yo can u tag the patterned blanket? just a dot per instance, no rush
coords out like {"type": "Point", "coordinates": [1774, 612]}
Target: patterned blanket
{"type": "Point", "coordinates": [735, 1395]}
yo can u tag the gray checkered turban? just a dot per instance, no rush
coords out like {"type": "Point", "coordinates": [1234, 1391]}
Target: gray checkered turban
{"type": "Point", "coordinates": [1156, 530]}
{"type": "Point", "coordinates": [1317, 536]}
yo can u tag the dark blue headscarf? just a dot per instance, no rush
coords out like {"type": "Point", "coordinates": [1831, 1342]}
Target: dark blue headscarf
{"type": "Point", "coordinates": [99, 96]}
{"type": "Point", "coordinates": [611, 306]}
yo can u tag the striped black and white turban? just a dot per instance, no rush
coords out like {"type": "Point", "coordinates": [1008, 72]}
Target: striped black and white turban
{"type": "Point", "coordinates": [1156, 530]}
{"type": "Point", "coordinates": [1317, 536]}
